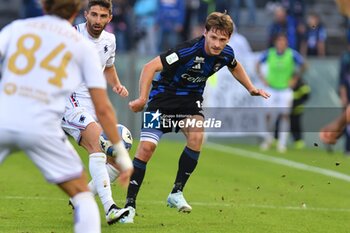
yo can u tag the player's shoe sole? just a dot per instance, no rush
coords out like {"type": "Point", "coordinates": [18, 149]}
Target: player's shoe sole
{"type": "Point", "coordinates": [177, 200]}
{"type": "Point", "coordinates": [114, 215]}
{"type": "Point", "coordinates": [129, 218]}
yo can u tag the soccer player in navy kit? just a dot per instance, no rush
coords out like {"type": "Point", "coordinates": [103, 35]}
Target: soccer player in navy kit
{"type": "Point", "coordinates": [178, 91]}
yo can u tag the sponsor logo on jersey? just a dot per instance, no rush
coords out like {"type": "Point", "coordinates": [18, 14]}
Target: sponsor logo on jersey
{"type": "Point", "coordinates": [194, 79]}
{"type": "Point", "coordinates": [198, 61]}
{"type": "Point", "coordinates": [172, 58]}
{"type": "Point", "coordinates": [10, 88]}
{"type": "Point", "coordinates": [105, 48]}
{"type": "Point", "coordinates": [197, 66]}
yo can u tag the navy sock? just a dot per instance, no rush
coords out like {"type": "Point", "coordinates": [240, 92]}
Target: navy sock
{"type": "Point", "coordinates": [187, 163]}
{"type": "Point", "coordinates": [135, 182]}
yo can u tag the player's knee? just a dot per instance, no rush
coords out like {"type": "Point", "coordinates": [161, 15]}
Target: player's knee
{"type": "Point", "coordinates": [90, 138]}
{"type": "Point", "coordinates": [145, 151]}
{"type": "Point", "coordinates": [195, 141]}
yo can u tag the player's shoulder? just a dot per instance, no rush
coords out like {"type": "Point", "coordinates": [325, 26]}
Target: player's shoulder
{"type": "Point", "coordinates": [108, 36]}
{"type": "Point", "coordinates": [189, 47]}
{"type": "Point", "coordinates": [228, 51]}
{"type": "Point", "coordinates": [16, 23]}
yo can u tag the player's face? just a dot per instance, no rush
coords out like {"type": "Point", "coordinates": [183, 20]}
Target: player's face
{"type": "Point", "coordinates": [97, 17]}
{"type": "Point", "coordinates": [215, 41]}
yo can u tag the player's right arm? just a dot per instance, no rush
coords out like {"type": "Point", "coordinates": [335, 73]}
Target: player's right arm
{"type": "Point", "coordinates": [330, 133]}
{"type": "Point", "coordinates": [145, 82]}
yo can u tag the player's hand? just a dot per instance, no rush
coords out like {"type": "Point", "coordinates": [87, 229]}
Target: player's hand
{"type": "Point", "coordinates": [121, 90]}
{"type": "Point", "coordinates": [137, 105]}
{"type": "Point", "coordinates": [259, 92]}
{"type": "Point", "coordinates": [124, 163]}
{"type": "Point", "coordinates": [330, 133]}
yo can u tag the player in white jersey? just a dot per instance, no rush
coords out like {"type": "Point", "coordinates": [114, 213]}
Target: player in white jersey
{"type": "Point", "coordinates": [44, 60]}
{"type": "Point", "coordinates": [80, 120]}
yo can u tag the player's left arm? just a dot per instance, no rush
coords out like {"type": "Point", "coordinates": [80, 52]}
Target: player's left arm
{"type": "Point", "coordinates": [113, 80]}
{"type": "Point", "coordinates": [241, 75]}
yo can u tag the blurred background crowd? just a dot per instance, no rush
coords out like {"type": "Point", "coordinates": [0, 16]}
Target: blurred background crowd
{"type": "Point", "coordinates": [313, 27]}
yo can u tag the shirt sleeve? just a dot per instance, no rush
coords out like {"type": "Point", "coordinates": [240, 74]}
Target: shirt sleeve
{"type": "Point", "coordinates": [93, 76]}
{"type": "Point", "coordinates": [111, 59]}
{"type": "Point", "coordinates": [298, 59]}
{"type": "Point", "coordinates": [169, 59]}
{"type": "Point", "coordinates": [263, 57]}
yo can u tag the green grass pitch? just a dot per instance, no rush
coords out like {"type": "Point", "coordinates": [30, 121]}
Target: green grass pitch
{"type": "Point", "coordinates": [238, 190]}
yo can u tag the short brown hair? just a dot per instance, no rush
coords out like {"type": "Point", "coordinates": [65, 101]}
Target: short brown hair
{"type": "Point", "coordinates": [103, 3]}
{"type": "Point", "coordinates": [220, 21]}
{"type": "Point", "coordinates": [62, 8]}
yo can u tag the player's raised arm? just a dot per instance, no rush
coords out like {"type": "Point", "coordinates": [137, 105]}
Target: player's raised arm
{"type": "Point", "coordinates": [241, 75]}
{"type": "Point", "coordinates": [145, 82]}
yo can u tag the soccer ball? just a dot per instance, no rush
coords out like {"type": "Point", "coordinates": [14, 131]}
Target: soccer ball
{"type": "Point", "coordinates": [125, 135]}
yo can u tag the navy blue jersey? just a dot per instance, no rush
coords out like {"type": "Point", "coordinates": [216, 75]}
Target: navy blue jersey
{"type": "Point", "coordinates": [187, 68]}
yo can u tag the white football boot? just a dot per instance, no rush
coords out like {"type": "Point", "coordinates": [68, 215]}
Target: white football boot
{"type": "Point", "coordinates": [115, 214]}
{"type": "Point", "coordinates": [177, 200]}
{"type": "Point", "coordinates": [129, 218]}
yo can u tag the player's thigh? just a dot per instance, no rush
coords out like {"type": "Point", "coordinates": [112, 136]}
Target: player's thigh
{"type": "Point", "coordinates": [55, 157]}
{"type": "Point", "coordinates": [90, 138]}
{"type": "Point", "coordinates": [75, 120]}
{"type": "Point", "coordinates": [75, 186]}
{"type": "Point", "coordinates": [194, 131]}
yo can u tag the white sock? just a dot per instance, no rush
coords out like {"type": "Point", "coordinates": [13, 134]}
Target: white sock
{"type": "Point", "coordinates": [283, 132]}
{"type": "Point", "coordinates": [99, 174]}
{"type": "Point", "coordinates": [92, 187]}
{"type": "Point", "coordinates": [86, 214]}
{"type": "Point", "coordinates": [113, 174]}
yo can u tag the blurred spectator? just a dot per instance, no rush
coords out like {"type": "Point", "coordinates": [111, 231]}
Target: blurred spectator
{"type": "Point", "coordinates": [191, 12]}
{"type": "Point", "coordinates": [222, 5]}
{"type": "Point", "coordinates": [81, 16]}
{"type": "Point", "coordinates": [295, 9]}
{"type": "Point", "coordinates": [301, 93]}
{"type": "Point", "coordinates": [281, 63]}
{"type": "Point", "coordinates": [121, 21]}
{"type": "Point", "coordinates": [314, 40]}
{"type": "Point", "coordinates": [296, 13]}
{"type": "Point", "coordinates": [235, 11]}
{"type": "Point", "coordinates": [344, 89]}
{"type": "Point", "coordinates": [170, 22]}
{"type": "Point", "coordinates": [145, 34]}
{"type": "Point", "coordinates": [285, 25]}
{"type": "Point", "coordinates": [31, 8]}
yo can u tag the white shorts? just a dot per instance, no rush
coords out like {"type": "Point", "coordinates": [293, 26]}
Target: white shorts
{"type": "Point", "coordinates": [280, 100]}
{"type": "Point", "coordinates": [54, 155]}
{"type": "Point", "coordinates": [77, 119]}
